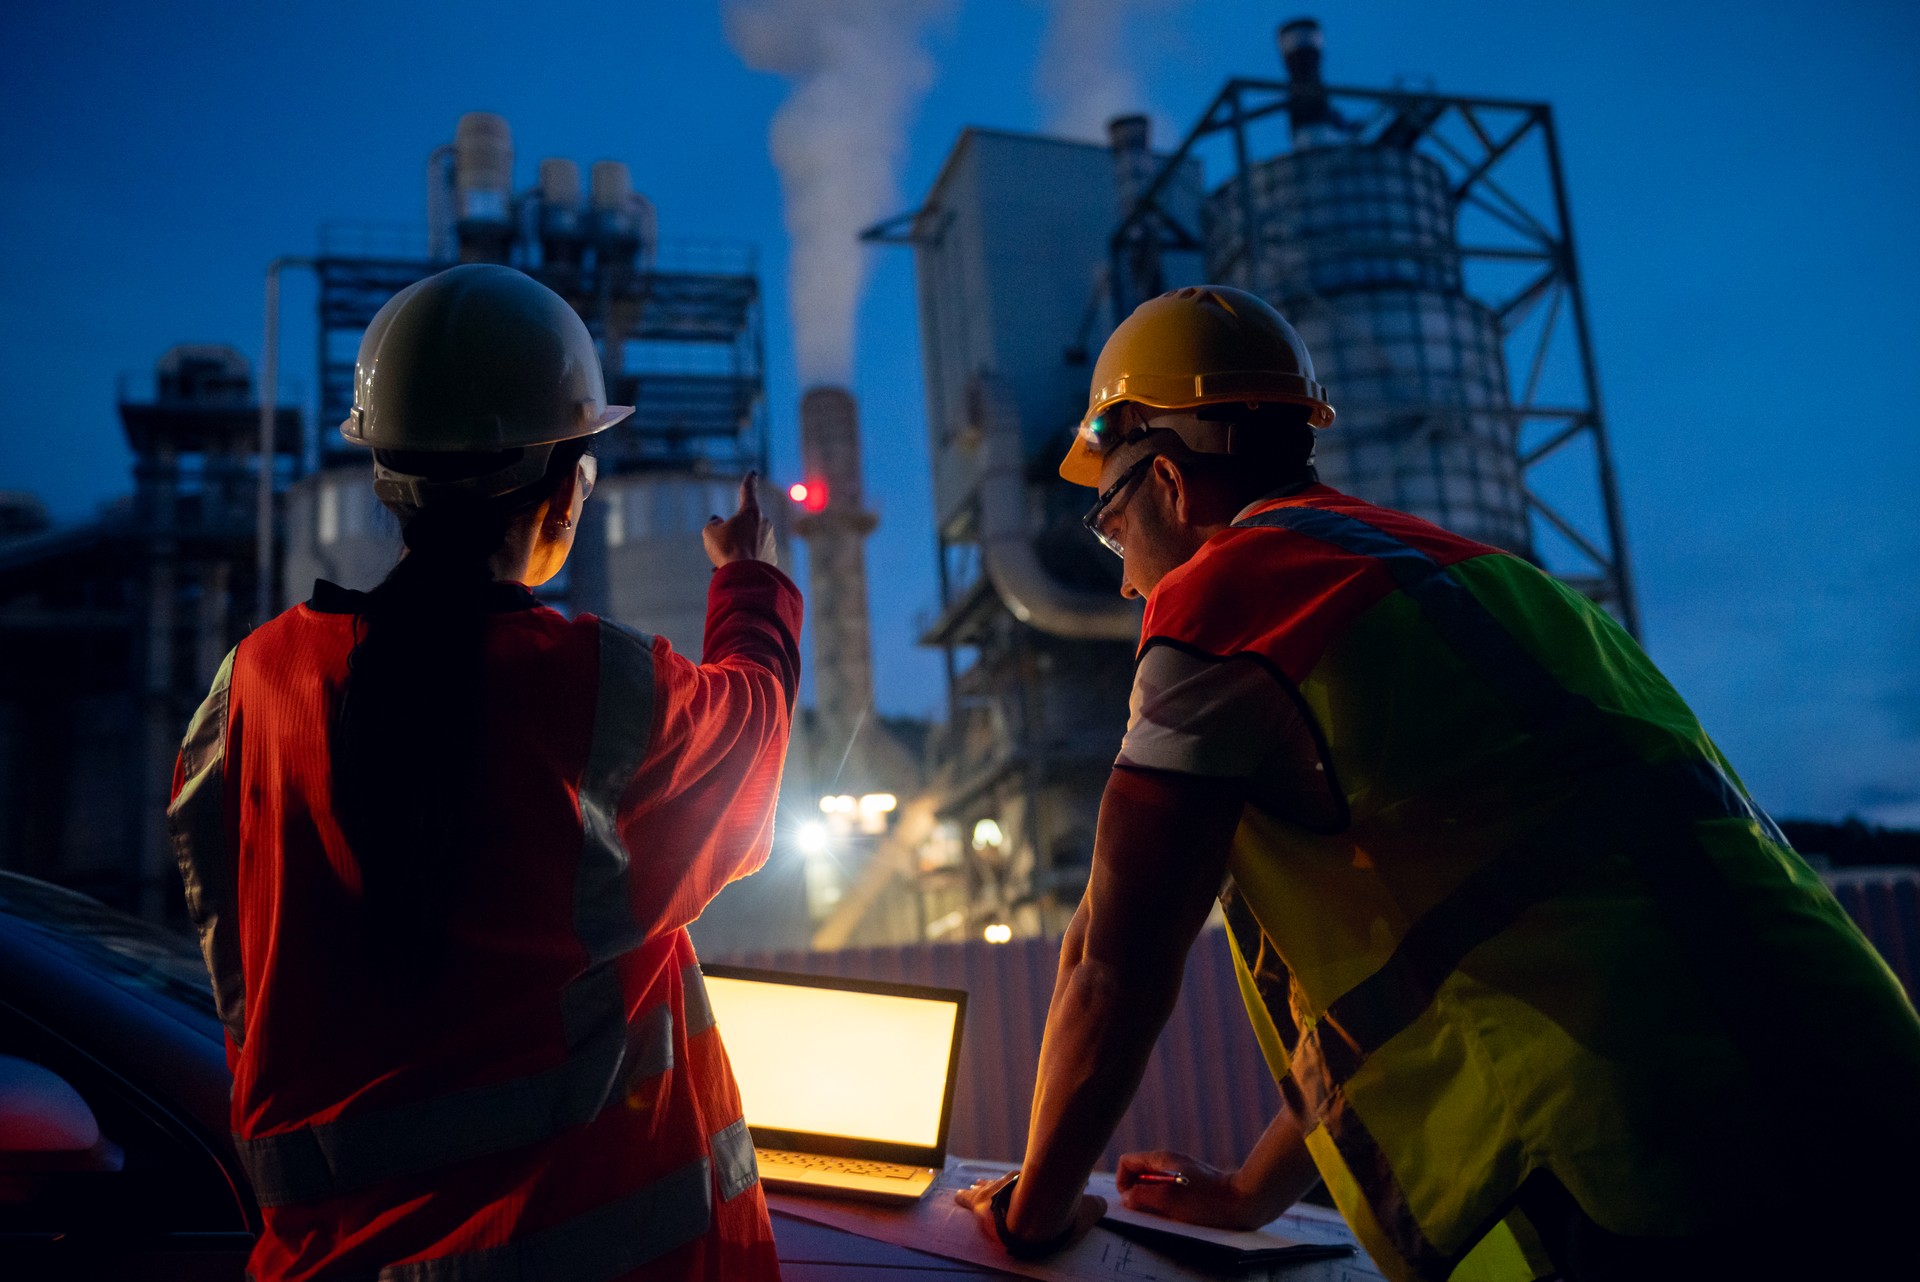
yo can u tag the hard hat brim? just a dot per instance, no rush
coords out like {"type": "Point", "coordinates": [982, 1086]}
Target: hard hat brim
{"type": "Point", "coordinates": [1082, 463]}
{"type": "Point", "coordinates": [590, 425]}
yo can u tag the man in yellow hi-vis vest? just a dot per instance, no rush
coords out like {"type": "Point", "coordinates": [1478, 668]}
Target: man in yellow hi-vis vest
{"type": "Point", "coordinates": [1544, 991]}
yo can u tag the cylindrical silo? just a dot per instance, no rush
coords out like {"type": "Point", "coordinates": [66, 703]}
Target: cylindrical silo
{"type": "Point", "coordinates": [561, 231]}
{"type": "Point", "coordinates": [1357, 246]}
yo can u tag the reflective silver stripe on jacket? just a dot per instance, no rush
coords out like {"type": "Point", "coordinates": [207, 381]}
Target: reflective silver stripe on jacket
{"type": "Point", "coordinates": [602, 895]}
{"type": "Point", "coordinates": [197, 820]}
{"type": "Point", "coordinates": [604, 1243]}
{"type": "Point", "coordinates": [699, 1008]}
{"type": "Point", "coordinates": [322, 1161]}
{"type": "Point", "coordinates": [733, 1164]}
{"type": "Point", "coordinates": [604, 1054]}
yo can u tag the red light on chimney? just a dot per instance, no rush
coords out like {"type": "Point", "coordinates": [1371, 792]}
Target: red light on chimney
{"type": "Point", "coordinates": [811, 495]}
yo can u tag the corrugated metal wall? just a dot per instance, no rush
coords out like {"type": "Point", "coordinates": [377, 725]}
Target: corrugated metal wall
{"type": "Point", "coordinates": [1206, 1091]}
{"type": "Point", "coordinates": [1886, 903]}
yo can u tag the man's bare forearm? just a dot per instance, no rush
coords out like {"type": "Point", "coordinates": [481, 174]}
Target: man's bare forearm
{"type": "Point", "coordinates": [1161, 854]}
{"type": "Point", "coordinates": [1278, 1172]}
{"type": "Point", "coordinates": [1099, 1037]}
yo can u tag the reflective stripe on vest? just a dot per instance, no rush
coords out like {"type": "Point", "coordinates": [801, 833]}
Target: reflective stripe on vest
{"type": "Point", "coordinates": [197, 821]}
{"type": "Point", "coordinates": [603, 1053]}
{"type": "Point", "coordinates": [1670, 859]}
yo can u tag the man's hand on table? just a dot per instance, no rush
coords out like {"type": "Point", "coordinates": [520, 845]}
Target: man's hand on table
{"type": "Point", "coordinates": [1209, 1196]}
{"type": "Point", "coordinates": [978, 1198]}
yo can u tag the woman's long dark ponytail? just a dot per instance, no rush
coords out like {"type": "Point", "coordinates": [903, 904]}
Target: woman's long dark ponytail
{"type": "Point", "coordinates": [406, 739]}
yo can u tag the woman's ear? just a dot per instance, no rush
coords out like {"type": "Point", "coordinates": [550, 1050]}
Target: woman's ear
{"type": "Point", "coordinates": [561, 508]}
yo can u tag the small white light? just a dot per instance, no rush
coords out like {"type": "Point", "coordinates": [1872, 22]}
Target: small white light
{"type": "Point", "coordinates": [812, 838]}
{"type": "Point", "coordinates": [837, 805]}
{"type": "Point", "coordinates": [998, 933]}
{"type": "Point", "coordinates": [878, 803]}
{"type": "Point", "coordinates": [987, 835]}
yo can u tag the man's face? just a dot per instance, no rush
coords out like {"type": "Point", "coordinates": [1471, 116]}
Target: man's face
{"type": "Point", "coordinates": [1143, 517]}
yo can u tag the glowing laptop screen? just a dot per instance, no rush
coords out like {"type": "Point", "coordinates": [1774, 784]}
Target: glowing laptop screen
{"type": "Point", "coordinates": [827, 1062]}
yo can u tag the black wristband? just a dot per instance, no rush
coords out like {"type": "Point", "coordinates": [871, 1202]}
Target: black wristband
{"type": "Point", "coordinates": [1018, 1247]}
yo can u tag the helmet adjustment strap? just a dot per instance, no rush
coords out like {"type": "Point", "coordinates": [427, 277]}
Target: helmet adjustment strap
{"type": "Point", "coordinates": [411, 490]}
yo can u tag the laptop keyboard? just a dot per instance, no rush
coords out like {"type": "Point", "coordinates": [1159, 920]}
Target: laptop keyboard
{"type": "Point", "coordinates": [839, 1165]}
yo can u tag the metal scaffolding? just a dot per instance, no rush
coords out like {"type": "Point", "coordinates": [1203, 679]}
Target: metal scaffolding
{"type": "Point", "coordinates": [1502, 159]}
{"type": "Point", "coordinates": [680, 336]}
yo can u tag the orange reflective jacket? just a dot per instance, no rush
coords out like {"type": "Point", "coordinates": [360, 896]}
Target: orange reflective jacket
{"type": "Point", "coordinates": [551, 1101]}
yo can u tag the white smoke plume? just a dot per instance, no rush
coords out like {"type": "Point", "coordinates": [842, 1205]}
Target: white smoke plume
{"type": "Point", "coordinates": [858, 69]}
{"type": "Point", "coordinates": [1084, 76]}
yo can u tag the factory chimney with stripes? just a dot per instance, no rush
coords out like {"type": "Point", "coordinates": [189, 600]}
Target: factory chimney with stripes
{"type": "Point", "coordinates": [835, 525]}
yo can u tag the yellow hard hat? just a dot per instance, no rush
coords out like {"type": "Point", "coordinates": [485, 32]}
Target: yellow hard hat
{"type": "Point", "coordinates": [1203, 345]}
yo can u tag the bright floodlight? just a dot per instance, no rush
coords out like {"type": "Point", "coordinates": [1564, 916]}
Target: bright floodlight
{"type": "Point", "coordinates": [999, 933]}
{"type": "Point", "coordinates": [812, 838]}
{"type": "Point", "coordinates": [987, 835]}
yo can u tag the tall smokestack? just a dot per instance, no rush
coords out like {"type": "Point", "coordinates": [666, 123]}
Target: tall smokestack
{"type": "Point", "coordinates": [1315, 123]}
{"type": "Point", "coordinates": [836, 528]}
{"type": "Point", "coordinates": [1129, 141]}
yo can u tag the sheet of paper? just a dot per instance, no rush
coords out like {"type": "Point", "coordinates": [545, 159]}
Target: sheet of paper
{"type": "Point", "coordinates": [1272, 1238]}
{"type": "Point", "coordinates": [936, 1225]}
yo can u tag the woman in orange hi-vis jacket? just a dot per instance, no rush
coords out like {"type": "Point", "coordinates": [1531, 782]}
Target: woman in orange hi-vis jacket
{"type": "Point", "coordinates": [442, 844]}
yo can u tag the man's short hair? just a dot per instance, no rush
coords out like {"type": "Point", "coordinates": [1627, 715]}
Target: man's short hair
{"type": "Point", "coordinates": [1275, 450]}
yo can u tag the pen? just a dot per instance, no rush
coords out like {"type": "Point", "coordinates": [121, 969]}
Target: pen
{"type": "Point", "coordinates": [1161, 1177]}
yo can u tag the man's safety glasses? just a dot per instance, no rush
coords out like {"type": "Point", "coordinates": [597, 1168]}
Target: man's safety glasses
{"type": "Point", "coordinates": [1097, 516]}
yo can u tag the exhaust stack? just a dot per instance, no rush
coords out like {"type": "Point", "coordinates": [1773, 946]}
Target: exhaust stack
{"type": "Point", "coordinates": [1129, 142]}
{"type": "Point", "coordinates": [835, 527]}
{"type": "Point", "coordinates": [1315, 122]}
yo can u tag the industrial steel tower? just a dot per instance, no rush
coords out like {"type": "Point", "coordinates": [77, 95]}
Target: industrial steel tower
{"type": "Point", "coordinates": [1421, 244]}
{"type": "Point", "coordinates": [679, 331]}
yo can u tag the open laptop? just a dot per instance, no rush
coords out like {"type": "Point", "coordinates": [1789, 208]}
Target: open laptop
{"type": "Point", "coordinates": [847, 1083]}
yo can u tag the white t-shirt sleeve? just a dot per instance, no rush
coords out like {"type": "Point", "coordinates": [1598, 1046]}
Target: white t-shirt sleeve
{"type": "Point", "coordinates": [1203, 716]}
{"type": "Point", "coordinates": [1231, 718]}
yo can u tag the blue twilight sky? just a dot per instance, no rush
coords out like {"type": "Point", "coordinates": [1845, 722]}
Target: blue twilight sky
{"type": "Point", "coordinates": [1743, 181]}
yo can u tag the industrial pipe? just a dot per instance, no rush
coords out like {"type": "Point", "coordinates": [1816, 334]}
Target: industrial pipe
{"type": "Point", "coordinates": [1035, 597]}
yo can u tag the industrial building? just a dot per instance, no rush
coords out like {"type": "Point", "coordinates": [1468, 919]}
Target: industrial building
{"type": "Point", "coordinates": [113, 629]}
{"type": "Point", "coordinates": [1419, 241]}
{"type": "Point", "coordinates": [1439, 294]}
{"type": "Point", "coordinates": [679, 328]}
{"type": "Point", "coordinates": [122, 623]}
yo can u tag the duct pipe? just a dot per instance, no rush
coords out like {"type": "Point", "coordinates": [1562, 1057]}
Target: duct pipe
{"type": "Point", "coordinates": [1034, 597]}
